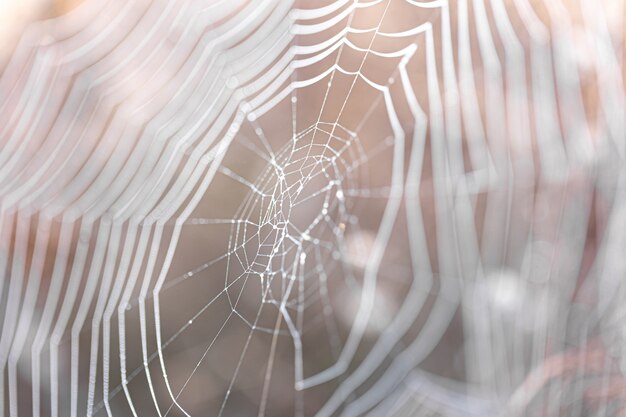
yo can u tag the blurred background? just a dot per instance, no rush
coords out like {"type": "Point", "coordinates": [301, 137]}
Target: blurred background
{"type": "Point", "coordinates": [312, 208]}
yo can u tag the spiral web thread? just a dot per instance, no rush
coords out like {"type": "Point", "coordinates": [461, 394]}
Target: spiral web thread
{"type": "Point", "coordinates": [393, 127]}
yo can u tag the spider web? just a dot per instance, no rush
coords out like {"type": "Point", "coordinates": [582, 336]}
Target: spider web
{"type": "Point", "coordinates": [268, 208]}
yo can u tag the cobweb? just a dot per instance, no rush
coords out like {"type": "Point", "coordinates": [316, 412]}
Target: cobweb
{"type": "Point", "coordinates": [384, 207]}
